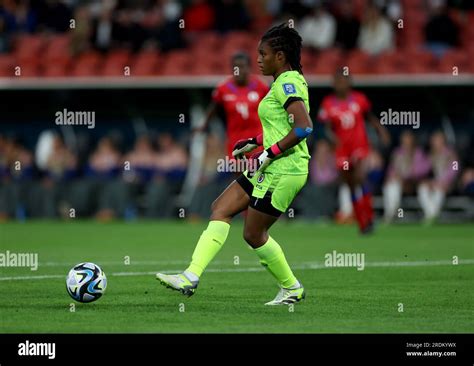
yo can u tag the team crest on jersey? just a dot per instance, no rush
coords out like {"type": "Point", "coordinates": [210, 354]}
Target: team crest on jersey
{"type": "Point", "coordinates": [289, 88]}
{"type": "Point", "coordinates": [354, 107]}
{"type": "Point", "coordinates": [260, 178]}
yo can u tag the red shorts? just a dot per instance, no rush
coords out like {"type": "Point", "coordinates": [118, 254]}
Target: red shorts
{"type": "Point", "coordinates": [346, 157]}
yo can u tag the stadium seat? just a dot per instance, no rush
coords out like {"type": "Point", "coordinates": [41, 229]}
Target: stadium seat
{"type": "Point", "coordinates": [327, 61]}
{"type": "Point", "coordinates": [115, 63]}
{"type": "Point", "coordinates": [358, 62]}
{"type": "Point", "coordinates": [7, 64]}
{"type": "Point", "coordinates": [145, 63]}
{"type": "Point", "coordinates": [307, 60]}
{"type": "Point", "coordinates": [176, 63]}
{"type": "Point", "coordinates": [419, 61]}
{"type": "Point", "coordinates": [201, 69]}
{"type": "Point", "coordinates": [207, 41]}
{"type": "Point", "coordinates": [30, 69]}
{"type": "Point", "coordinates": [55, 70]}
{"type": "Point", "coordinates": [57, 58]}
{"type": "Point", "coordinates": [28, 47]}
{"type": "Point", "coordinates": [88, 64]}
{"type": "Point", "coordinates": [238, 39]}
{"type": "Point", "coordinates": [390, 63]}
{"type": "Point", "coordinates": [453, 58]}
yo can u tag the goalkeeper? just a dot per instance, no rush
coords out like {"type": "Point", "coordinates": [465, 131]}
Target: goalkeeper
{"type": "Point", "coordinates": [274, 176]}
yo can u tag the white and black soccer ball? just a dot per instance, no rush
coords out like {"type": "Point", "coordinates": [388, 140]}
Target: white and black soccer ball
{"type": "Point", "coordinates": [86, 282]}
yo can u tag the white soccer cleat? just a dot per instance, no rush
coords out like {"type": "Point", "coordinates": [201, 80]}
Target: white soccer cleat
{"type": "Point", "coordinates": [288, 296]}
{"type": "Point", "coordinates": [178, 282]}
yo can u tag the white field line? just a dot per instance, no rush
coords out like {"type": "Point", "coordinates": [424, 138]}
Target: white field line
{"type": "Point", "coordinates": [132, 262]}
{"type": "Point", "coordinates": [303, 266]}
{"type": "Point", "coordinates": [221, 262]}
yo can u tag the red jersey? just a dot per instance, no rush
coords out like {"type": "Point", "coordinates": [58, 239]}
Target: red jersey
{"type": "Point", "coordinates": [347, 119]}
{"type": "Point", "coordinates": [240, 105]}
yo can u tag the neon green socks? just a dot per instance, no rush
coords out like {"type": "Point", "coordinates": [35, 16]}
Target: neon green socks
{"type": "Point", "coordinates": [272, 258]}
{"type": "Point", "coordinates": [208, 246]}
{"type": "Point", "coordinates": [270, 254]}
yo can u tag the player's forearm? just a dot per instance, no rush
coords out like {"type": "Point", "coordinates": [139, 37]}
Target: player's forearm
{"type": "Point", "coordinates": [295, 136]}
{"type": "Point", "coordinates": [210, 113]}
{"type": "Point", "coordinates": [375, 122]}
{"type": "Point", "coordinates": [330, 134]}
{"type": "Point", "coordinates": [303, 126]}
{"type": "Point", "coordinates": [382, 131]}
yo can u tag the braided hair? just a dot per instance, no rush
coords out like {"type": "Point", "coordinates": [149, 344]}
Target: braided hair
{"type": "Point", "coordinates": [285, 39]}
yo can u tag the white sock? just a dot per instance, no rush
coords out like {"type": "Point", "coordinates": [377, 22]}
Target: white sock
{"type": "Point", "coordinates": [345, 202]}
{"type": "Point", "coordinates": [392, 194]}
{"type": "Point", "coordinates": [437, 201]}
{"type": "Point", "coordinates": [296, 285]}
{"type": "Point", "coordinates": [425, 200]}
{"type": "Point", "coordinates": [191, 276]}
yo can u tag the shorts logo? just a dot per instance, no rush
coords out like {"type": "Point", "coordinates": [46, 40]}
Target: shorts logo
{"type": "Point", "coordinates": [260, 178]}
{"type": "Point", "coordinates": [289, 88]}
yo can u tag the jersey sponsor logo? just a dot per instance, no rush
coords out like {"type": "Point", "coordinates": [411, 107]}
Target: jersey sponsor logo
{"type": "Point", "coordinates": [229, 97]}
{"type": "Point", "coordinates": [289, 88]}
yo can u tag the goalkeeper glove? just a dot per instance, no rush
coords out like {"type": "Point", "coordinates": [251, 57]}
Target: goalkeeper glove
{"type": "Point", "coordinates": [246, 145]}
{"type": "Point", "coordinates": [259, 161]}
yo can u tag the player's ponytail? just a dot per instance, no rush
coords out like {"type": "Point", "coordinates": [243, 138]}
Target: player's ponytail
{"type": "Point", "coordinates": [286, 39]}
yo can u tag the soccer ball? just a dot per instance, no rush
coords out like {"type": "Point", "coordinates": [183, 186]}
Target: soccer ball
{"type": "Point", "coordinates": [86, 282]}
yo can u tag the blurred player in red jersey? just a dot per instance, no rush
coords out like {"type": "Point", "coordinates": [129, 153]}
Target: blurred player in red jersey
{"type": "Point", "coordinates": [238, 96]}
{"type": "Point", "coordinates": [344, 113]}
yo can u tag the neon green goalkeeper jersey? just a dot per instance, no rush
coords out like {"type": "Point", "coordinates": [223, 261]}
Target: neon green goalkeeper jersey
{"type": "Point", "coordinates": [276, 122]}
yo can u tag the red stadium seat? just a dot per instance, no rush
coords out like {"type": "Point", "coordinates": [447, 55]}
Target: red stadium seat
{"type": "Point", "coordinates": [419, 61]}
{"type": "Point", "coordinates": [176, 63]}
{"type": "Point", "coordinates": [202, 69]}
{"type": "Point", "coordinates": [7, 66]}
{"type": "Point", "coordinates": [238, 38]}
{"type": "Point", "coordinates": [307, 60]}
{"type": "Point", "coordinates": [56, 55]}
{"type": "Point", "coordinates": [55, 70]}
{"type": "Point", "coordinates": [327, 61]}
{"type": "Point", "coordinates": [358, 62]}
{"type": "Point", "coordinates": [88, 64]}
{"type": "Point", "coordinates": [30, 69]}
{"type": "Point", "coordinates": [454, 58]}
{"type": "Point", "coordinates": [207, 41]}
{"type": "Point", "coordinates": [145, 63]}
{"type": "Point", "coordinates": [390, 63]}
{"type": "Point", "coordinates": [116, 62]}
{"type": "Point", "coordinates": [28, 47]}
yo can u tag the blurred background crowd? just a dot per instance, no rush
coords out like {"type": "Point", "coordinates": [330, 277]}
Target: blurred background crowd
{"type": "Point", "coordinates": [164, 37]}
{"type": "Point", "coordinates": [146, 180]}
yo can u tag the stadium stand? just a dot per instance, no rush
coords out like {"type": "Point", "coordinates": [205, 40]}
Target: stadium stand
{"type": "Point", "coordinates": [45, 52]}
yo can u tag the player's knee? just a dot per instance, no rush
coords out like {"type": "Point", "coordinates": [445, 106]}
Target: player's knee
{"type": "Point", "coordinates": [218, 212]}
{"type": "Point", "coordinates": [255, 238]}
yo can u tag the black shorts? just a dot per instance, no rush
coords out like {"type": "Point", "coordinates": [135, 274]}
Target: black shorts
{"type": "Point", "coordinates": [260, 204]}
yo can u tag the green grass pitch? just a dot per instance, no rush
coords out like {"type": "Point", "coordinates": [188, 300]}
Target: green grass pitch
{"type": "Point", "coordinates": [408, 268]}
